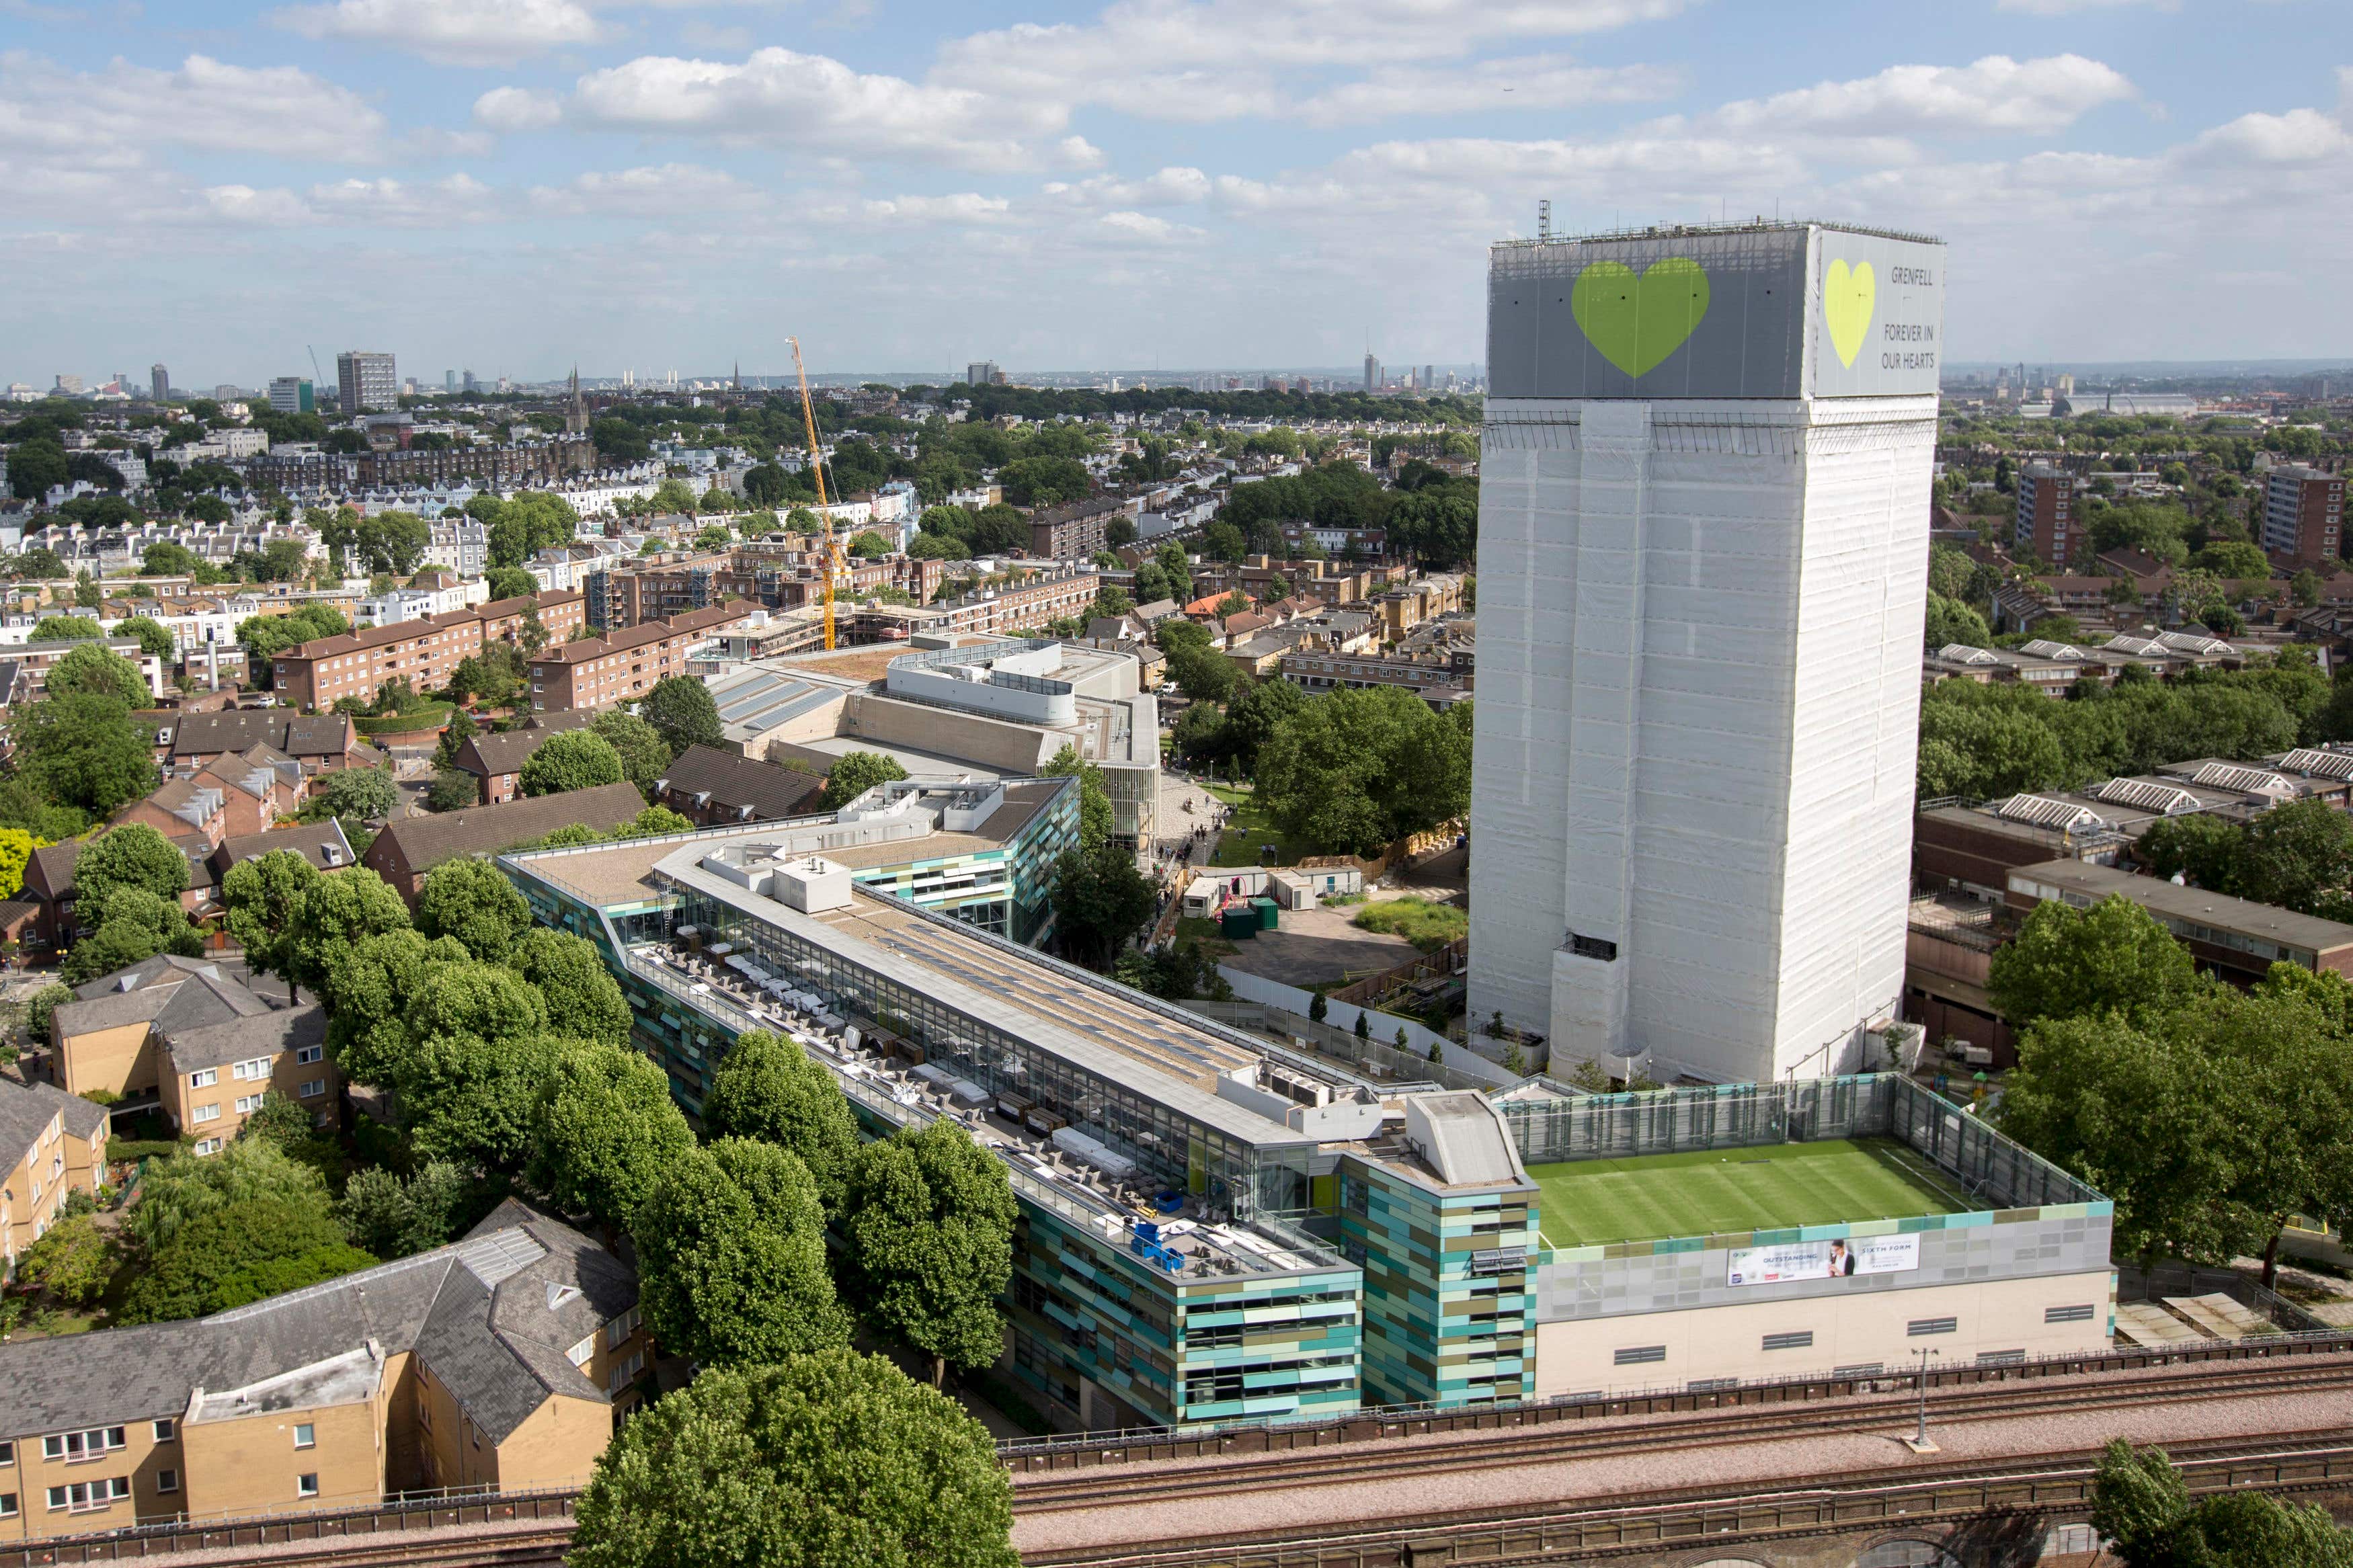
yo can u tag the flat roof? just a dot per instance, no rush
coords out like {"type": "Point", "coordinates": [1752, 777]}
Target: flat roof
{"type": "Point", "coordinates": [1716, 1191]}
{"type": "Point", "coordinates": [2192, 905]}
{"type": "Point", "coordinates": [1092, 1028]}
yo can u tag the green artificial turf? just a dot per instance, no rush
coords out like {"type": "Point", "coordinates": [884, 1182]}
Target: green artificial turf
{"type": "Point", "coordinates": [1707, 1192]}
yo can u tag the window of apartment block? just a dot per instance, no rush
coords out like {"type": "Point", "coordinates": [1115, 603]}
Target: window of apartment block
{"type": "Point", "coordinates": [258, 1066]}
{"type": "Point", "coordinates": [307, 1484]}
{"type": "Point", "coordinates": [249, 1103]}
{"type": "Point", "coordinates": [306, 1055]}
{"type": "Point", "coordinates": [306, 1436]}
{"type": "Point", "coordinates": [7, 1505]}
{"type": "Point", "coordinates": [76, 1446]}
{"type": "Point", "coordinates": [205, 1079]}
{"type": "Point", "coordinates": [208, 1145]}
{"type": "Point", "coordinates": [312, 1088]}
{"type": "Point", "coordinates": [167, 1480]}
{"type": "Point", "coordinates": [166, 1430]}
{"type": "Point", "coordinates": [206, 1113]}
{"type": "Point", "coordinates": [8, 1455]}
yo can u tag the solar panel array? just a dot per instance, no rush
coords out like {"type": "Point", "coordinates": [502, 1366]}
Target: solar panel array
{"type": "Point", "coordinates": [2143, 795]}
{"type": "Point", "coordinates": [2319, 763]}
{"type": "Point", "coordinates": [2254, 781]}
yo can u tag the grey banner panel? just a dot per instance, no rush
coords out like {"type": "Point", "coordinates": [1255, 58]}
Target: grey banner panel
{"type": "Point", "coordinates": [1695, 315]}
{"type": "Point", "coordinates": [1781, 310]}
{"type": "Point", "coordinates": [1879, 324]}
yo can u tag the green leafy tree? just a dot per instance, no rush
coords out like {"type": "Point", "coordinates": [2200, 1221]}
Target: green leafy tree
{"type": "Point", "coordinates": [2067, 963]}
{"type": "Point", "coordinates": [393, 1217]}
{"type": "Point", "coordinates": [278, 1120]}
{"type": "Point", "coordinates": [767, 1089]}
{"type": "Point", "coordinates": [459, 729]}
{"type": "Point", "coordinates": [244, 1251]}
{"type": "Point", "coordinates": [107, 949]}
{"type": "Point", "coordinates": [42, 1008]}
{"type": "Point", "coordinates": [827, 1460]}
{"type": "Point", "coordinates": [928, 1230]}
{"type": "Point", "coordinates": [2142, 1507]}
{"type": "Point", "coordinates": [854, 774]}
{"type": "Point", "coordinates": [131, 856]}
{"type": "Point", "coordinates": [83, 749]}
{"type": "Point", "coordinates": [645, 755]}
{"type": "Point", "coordinates": [74, 1260]}
{"type": "Point", "coordinates": [471, 900]}
{"type": "Point", "coordinates": [653, 822]}
{"type": "Point", "coordinates": [1202, 674]}
{"type": "Point", "coordinates": [97, 670]}
{"type": "Point", "coordinates": [337, 912]}
{"type": "Point", "coordinates": [367, 793]}
{"type": "Point", "coordinates": [604, 1131]}
{"type": "Point", "coordinates": [36, 468]}
{"type": "Point", "coordinates": [66, 628]}
{"type": "Point", "coordinates": [574, 759]}
{"type": "Point", "coordinates": [1951, 621]}
{"type": "Point", "coordinates": [681, 710]}
{"type": "Point", "coordinates": [510, 583]}
{"type": "Point", "coordinates": [868, 544]}
{"type": "Point", "coordinates": [261, 897]}
{"type": "Point", "coordinates": [1101, 900]}
{"type": "Point", "coordinates": [155, 636]}
{"type": "Point", "coordinates": [180, 1188]}
{"type": "Point", "coordinates": [1352, 771]}
{"type": "Point", "coordinates": [730, 1257]}
{"type": "Point", "coordinates": [578, 988]}
{"type": "Point", "coordinates": [452, 791]}
{"type": "Point", "coordinates": [1094, 799]}
{"type": "Point", "coordinates": [471, 1099]}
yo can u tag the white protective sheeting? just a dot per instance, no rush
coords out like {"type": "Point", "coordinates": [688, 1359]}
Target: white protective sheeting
{"type": "Point", "coordinates": [1700, 643]}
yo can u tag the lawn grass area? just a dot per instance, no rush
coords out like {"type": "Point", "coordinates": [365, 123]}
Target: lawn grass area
{"type": "Point", "coordinates": [1426, 925]}
{"type": "Point", "coordinates": [1705, 1192]}
{"type": "Point", "coordinates": [1248, 828]}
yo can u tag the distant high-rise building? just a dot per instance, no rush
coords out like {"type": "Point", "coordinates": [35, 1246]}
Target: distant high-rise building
{"type": "Point", "coordinates": [470, 385]}
{"type": "Point", "coordinates": [69, 386]}
{"type": "Point", "coordinates": [1429, 376]}
{"type": "Point", "coordinates": [224, 393]}
{"type": "Point", "coordinates": [449, 380]}
{"type": "Point", "coordinates": [1372, 372]}
{"type": "Point", "coordinates": [366, 381]}
{"type": "Point", "coordinates": [2304, 513]}
{"type": "Point", "coordinates": [293, 394]}
{"type": "Point", "coordinates": [159, 384]}
{"type": "Point", "coordinates": [2046, 526]}
{"type": "Point", "coordinates": [981, 372]}
{"type": "Point", "coordinates": [1706, 462]}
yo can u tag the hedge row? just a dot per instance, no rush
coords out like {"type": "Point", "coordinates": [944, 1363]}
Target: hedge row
{"type": "Point", "coordinates": [429, 718]}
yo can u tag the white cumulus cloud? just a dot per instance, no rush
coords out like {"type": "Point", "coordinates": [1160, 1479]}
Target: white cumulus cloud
{"type": "Point", "coordinates": [451, 32]}
{"type": "Point", "coordinates": [1993, 94]}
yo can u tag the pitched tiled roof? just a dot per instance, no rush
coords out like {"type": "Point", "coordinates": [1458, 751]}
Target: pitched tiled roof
{"type": "Point", "coordinates": [321, 843]}
{"type": "Point", "coordinates": [260, 1035]}
{"type": "Point", "coordinates": [207, 734]}
{"type": "Point", "coordinates": [27, 1110]}
{"type": "Point", "coordinates": [485, 755]}
{"type": "Point", "coordinates": [752, 791]}
{"type": "Point", "coordinates": [423, 842]}
{"type": "Point", "coordinates": [490, 1315]}
{"type": "Point", "coordinates": [165, 991]}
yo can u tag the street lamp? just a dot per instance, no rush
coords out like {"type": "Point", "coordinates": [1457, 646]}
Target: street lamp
{"type": "Point", "coordinates": [1918, 1443]}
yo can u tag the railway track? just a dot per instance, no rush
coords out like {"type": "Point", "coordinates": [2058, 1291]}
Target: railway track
{"type": "Point", "coordinates": [533, 1546]}
{"type": "Point", "coordinates": [2025, 1492]}
{"type": "Point", "coordinates": [1107, 1485]}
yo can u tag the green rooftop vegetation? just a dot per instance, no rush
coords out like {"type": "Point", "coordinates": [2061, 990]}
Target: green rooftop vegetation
{"type": "Point", "coordinates": [1708, 1192]}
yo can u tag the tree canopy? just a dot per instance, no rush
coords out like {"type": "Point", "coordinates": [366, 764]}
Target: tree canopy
{"type": "Point", "coordinates": [827, 1460]}
{"type": "Point", "coordinates": [854, 772]}
{"type": "Point", "coordinates": [732, 1257]}
{"type": "Point", "coordinates": [928, 1230]}
{"type": "Point", "coordinates": [473, 901]}
{"type": "Point", "coordinates": [645, 755]}
{"type": "Point", "coordinates": [2067, 963]}
{"type": "Point", "coordinates": [604, 1131]}
{"type": "Point", "coordinates": [2142, 1508]}
{"type": "Point", "coordinates": [570, 760]}
{"type": "Point", "coordinates": [1351, 770]}
{"type": "Point", "coordinates": [683, 713]}
{"type": "Point", "coordinates": [767, 1088]}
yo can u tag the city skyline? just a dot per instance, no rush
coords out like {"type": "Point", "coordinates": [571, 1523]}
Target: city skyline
{"type": "Point", "coordinates": [497, 182]}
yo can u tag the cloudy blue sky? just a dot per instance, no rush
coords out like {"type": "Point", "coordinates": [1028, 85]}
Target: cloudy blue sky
{"type": "Point", "coordinates": [514, 185]}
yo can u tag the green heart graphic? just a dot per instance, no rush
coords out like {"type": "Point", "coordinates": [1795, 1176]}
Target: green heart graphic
{"type": "Point", "coordinates": [1637, 321]}
{"type": "Point", "coordinates": [1847, 300]}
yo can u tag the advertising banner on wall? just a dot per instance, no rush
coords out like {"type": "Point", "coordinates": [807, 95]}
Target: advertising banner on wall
{"type": "Point", "coordinates": [1823, 1259]}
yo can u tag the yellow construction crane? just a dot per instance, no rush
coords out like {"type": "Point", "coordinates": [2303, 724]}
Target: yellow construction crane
{"type": "Point", "coordinates": [829, 552]}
